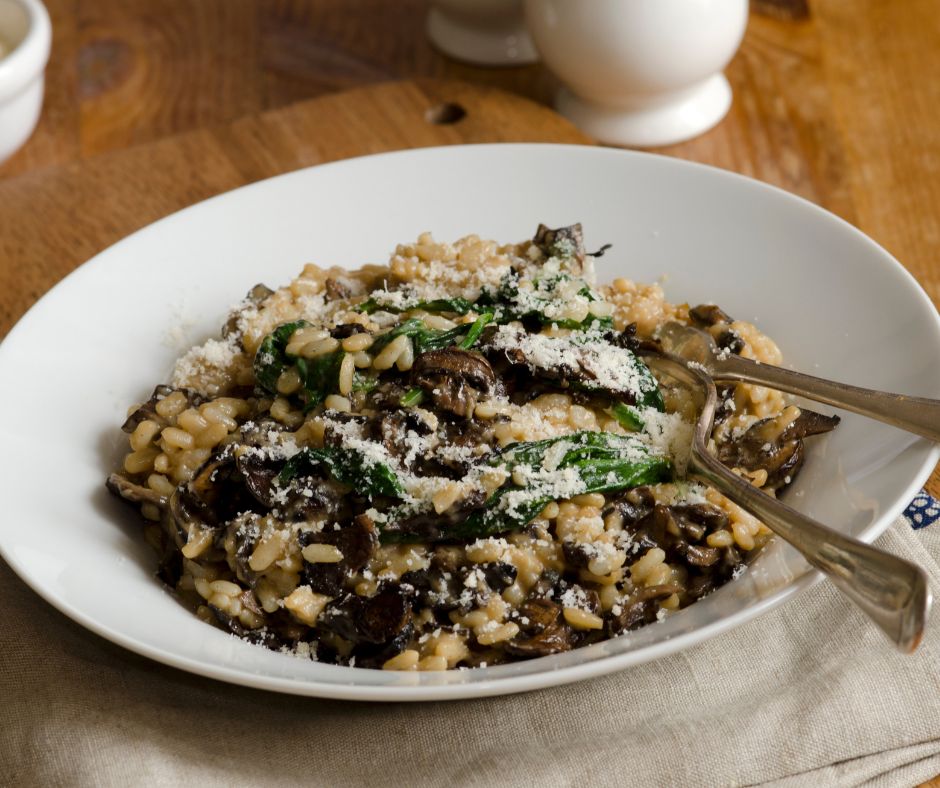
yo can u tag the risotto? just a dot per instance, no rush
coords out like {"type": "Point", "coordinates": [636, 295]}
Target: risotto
{"type": "Point", "coordinates": [454, 460]}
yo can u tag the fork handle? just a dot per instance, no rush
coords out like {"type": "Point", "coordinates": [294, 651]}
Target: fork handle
{"type": "Point", "coordinates": [891, 591]}
{"type": "Point", "coordinates": [919, 415]}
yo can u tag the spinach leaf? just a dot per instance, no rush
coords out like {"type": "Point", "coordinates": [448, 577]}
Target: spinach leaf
{"type": "Point", "coordinates": [627, 417]}
{"type": "Point", "coordinates": [319, 377]}
{"type": "Point", "coordinates": [508, 304]}
{"type": "Point", "coordinates": [411, 398]}
{"type": "Point", "coordinates": [459, 306]}
{"type": "Point", "coordinates": [476, 328]}
{"type": "Point", "coordinates": [272, 359]}
{"type": "Point", "coordinates": [425, 338]}
{"type": "Point", "coordinates": [604, 462]}
{"type": "Point", "coordinates": [348, 466]}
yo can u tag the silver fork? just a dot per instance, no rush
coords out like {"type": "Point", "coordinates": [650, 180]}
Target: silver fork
{"type": "Point", "coordinates": [891, 591]}
{"type": "Point", "coordinates": [919, 415]}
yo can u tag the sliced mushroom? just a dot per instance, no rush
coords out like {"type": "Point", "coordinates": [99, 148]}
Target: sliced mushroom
{"type": "Point", "coordinates": [254, 298]}
{"type": "Point", "coordinates": [544, 630]}
{"type": "Point", "coordinates": [708, 315]}
{"type": "Point", "coordinates": [244, 533]}
{"type": "Point", "coordinates": [538, 613]}
{"type": "Point", "coordinates": [439, 585]}
{"type": "Point", "coordinates": [263, 637]}
{"type": "Point", "coordinates": [780, 453]}
{"type": "Point", "coordinates": [640, 608]}
{"type": "Point", "coordinates": [134, 493]}
{"type": "Point", "coordinates": [336, 290]}
{"type": "Point", "coordinates": [499, 575]}
{"type": "Point", "coordinates": [633, 505]}
{"type": "Point", "coordinates": [344, 330]}
{"type": "Point", "coordinates": [718, 324]}
{"type": "Point", "coordinates": [213, 496]}
{"type": "Point", "coordinates": [259, 476]}
{"type": "Point", "coordinates": [399, 428]}
{"type": "Point", "coordinates": [577, 555]}
{"type": "Point", "coordinates": [704, 581]}
{"type": "Point", "coordinates": [431, 526]}
{"type": "Point", "coordinates": [565, 242]}
{"type": "Point", "coordinates": [375, 620]}
{"type": "Point", "coordinates": [454, 378]}
{"type": "Point", "coordinates": [696, 519]}
{"type": "Point", "coordinates": [356, 541]}
{"type": "Point", "coordinates": [172, 537]}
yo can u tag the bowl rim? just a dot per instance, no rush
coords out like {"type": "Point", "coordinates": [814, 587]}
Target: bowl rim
{"type": "Point", "coordinates": [28, 58]}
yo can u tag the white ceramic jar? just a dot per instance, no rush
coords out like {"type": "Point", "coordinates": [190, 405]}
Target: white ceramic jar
{"type": "Point", "coordinates": [27, 35]}
{"type": "Point", "coordinates": [485, 32]}
{"type": "Point", "coordinates": [639, 72]}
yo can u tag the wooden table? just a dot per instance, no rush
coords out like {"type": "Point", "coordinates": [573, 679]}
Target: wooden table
{"type": "Point", "coordinates": [835, 100]}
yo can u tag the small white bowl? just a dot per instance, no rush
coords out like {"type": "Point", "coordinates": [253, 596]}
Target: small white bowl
{"type": "Point", "coordinates": [484, 32]}
{"type": "Point", "coordinates": [26, 31]}
{"type": "Point", "coordinates": [639, 72]}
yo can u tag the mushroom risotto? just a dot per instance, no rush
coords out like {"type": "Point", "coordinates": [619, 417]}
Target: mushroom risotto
{"type": "Point", "coordinates": [453, 460]}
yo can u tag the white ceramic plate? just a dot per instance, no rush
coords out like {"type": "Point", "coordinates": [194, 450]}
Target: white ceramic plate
{"type": "Point", "coordinates": [837, 303]}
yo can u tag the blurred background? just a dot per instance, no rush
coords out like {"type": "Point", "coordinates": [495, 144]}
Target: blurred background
{"type": "Point", "coordinates": [123, 73]}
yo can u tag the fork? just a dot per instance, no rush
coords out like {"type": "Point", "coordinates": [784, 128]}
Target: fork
{"type": "Point", "coordinates": [919, 415]}
{"type": "Point", "coordinates": [891, 591]}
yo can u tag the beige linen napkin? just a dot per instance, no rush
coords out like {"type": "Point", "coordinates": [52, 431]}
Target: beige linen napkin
{"type": "Point", "coordinates": [809, 694]}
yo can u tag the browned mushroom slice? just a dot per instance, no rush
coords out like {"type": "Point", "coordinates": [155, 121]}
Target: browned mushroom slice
{"type": "Point", "coordinates": [707, 315]}
{"type": "Point", "coordinates": [538, 613]}
{"type": "Point", "coordinates": [345, 330]}
{"type": "Point", "coordinates": [454, 378]}
{"type": "Point", "coordinates": [375, 620]}
{"type": "Point", "coordinates": [243, 532]}
{"type": "Point", "coordinates": [197, 501]}
{"type": "Point", "coordinates": [258, 294]}
{"type": "Point", "coordinates": [718, 324]}
{"type": "Point", "coordinates": [309, 497]}
{"type": "Point", "coordinates": [356, 541]}
{"type": "Point", "coordinates": [544, 630]}
{"type": "Point", "coordinates": [696, 520]}
{"type": "Point", "coordinates": [399, 428]}
{"type": "Point", "coordinates": [779, 453]}
{"type": "Point", "coordinates": [429, 526]}
{"type": "Point", "coordinates": [567, 242]}
{"type": "Point", "coordinates": [170, 567]}
{"type": "Point", "coordinates": [553, 640]}
{"type": "Point", "coordinates": [336, 290]}
{"type": "Point", "coordinates": [633, 505]}
{"type": "Point", "coordinates": [640, 608]}
{"type": "Point", "coordinates": [259, 476]}
{"type": "Point", "coordinates": [810, 423]}
{"type": "Point", "coordinates": [705, 579]}
{"type": "Point", "coordinates": [134, 493]}
{"type": "Point", "coordinates": [261, 637]}
{"type": "Point", "coordinates": [499, 575]}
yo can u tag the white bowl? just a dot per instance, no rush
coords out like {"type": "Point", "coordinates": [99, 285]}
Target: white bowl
{"type": "Point", "coordinates": [25, 28]}
{"type": "Point", "coordinates": [837, 303]}
{"type": "Point", "coordinates": [639, 72]}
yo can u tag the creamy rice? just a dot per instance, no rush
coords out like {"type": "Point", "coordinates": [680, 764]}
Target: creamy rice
{"type": "Point", "coordinates": [397, 467]}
